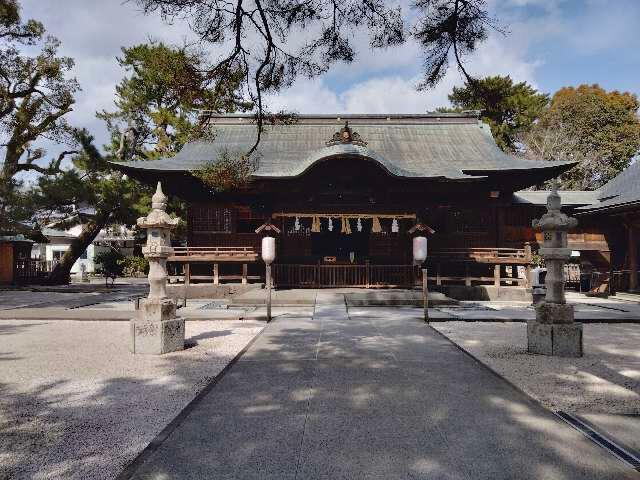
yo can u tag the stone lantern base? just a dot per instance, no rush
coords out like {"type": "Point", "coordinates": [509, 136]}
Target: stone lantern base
{"type": "Point", "coordinates": [157, 330]}
{"type": "Point", "coordinates": [554, 332]}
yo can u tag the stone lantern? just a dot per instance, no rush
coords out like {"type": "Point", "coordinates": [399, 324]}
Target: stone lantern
{"type": "Point", "coordinates": [554, 331]}
{"type": "Point", "coordinates": [156, 329]}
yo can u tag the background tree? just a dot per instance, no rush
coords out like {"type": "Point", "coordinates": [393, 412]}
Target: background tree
{"type": "Point", "coordinates": [35, 95]}
{"type": "Point", "coordinates": [509, 108]}
{"type": "Point", "coordinates": [92, 181]}
{"type": "Point", "coordinates": [164, 91]}
{"type": "Point", "coordinates": [157, 108]}
{"type": "Point", "coordinates": [271, 43]}
{"type": "Point", "coordinates": [599, 129]}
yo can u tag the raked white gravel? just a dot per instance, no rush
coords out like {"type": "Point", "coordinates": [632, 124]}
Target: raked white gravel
{"type": "Point", "coordinates": [75, 404]}
{"type": "Point", "coordinates": [606, 379]}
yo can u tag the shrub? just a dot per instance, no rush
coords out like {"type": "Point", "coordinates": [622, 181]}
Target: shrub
{"type": "Point", "coordinates": [134, 266]}
{"type": "Point", "coordinates": [108, 264]}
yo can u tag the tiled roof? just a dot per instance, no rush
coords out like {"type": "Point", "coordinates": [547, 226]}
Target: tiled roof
{"type": "Point", "coordinates": [569, 197]}
{"type": "Point", "coordinates": [621, 191]}
{"type": "Point", "coordinates": [426, 146]}
{"type": "Point", "coordinates": [52, 232]}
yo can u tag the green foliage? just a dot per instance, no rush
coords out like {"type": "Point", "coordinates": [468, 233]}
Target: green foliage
{"type": "Point", "coordinates": [134, 266]}
{"type": "Point", "coordinates": [109, 264]}
{"type": "Point", "coordinates": [231, 171]}
{"type": "Point", "coordinates": [12, 28]}
{"type": "Point", "coordinates": [600, 129]}
{"type": "Point", "coordinates": [537, 260]}
{"type": "Point", "coordinates": [450, 28]}
{"type": "Point", "coordinates": [509, 108]}
{"type": "Point", "coordinates": [35, 95]}
{"type": "Point", "coordinates": [92, 182]}
{"type": "Point", "coordinates": [160, 99]}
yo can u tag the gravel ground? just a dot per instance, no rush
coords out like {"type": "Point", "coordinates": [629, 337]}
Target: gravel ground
{"type": "Point", "coordinates": [75, 404]}
{"type": "Point", "coordinates": [605, 380]}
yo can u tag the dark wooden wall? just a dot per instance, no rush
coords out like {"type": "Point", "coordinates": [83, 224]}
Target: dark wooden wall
{"type": "Point", "coordinates": [456, 226]}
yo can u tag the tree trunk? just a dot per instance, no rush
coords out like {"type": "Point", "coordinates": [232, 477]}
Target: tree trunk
{"type": "Point", "coordinates": [62, 271]}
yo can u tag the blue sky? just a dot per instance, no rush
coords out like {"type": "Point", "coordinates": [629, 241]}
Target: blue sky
{"type": "Point", "coordinates": [551, 43]}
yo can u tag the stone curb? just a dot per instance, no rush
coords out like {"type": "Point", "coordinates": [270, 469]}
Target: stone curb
{"type": "Point", "coordinates": [101, 315]}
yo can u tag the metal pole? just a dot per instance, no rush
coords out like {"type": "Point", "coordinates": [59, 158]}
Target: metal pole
{"type": "Point", "coordinates": [268, 281]}
{"type": "Point", "coordinates": [425, 294]}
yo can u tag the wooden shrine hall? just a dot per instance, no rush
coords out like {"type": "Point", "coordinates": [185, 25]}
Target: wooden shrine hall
{"type": "Point", "coordinates": [344, 194]}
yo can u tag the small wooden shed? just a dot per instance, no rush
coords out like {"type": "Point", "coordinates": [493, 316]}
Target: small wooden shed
{"type": "Point", "coordinates": [15, 260]}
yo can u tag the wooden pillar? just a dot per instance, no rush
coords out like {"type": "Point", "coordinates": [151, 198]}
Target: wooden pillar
{"type": "Point", "coordinates": [216, 274]}
{"type": "Point", "coordinates": [438, 279]}
{"type": "Point", "coordinates": [368, 273]}
{"type": "Point", "coordinates": [187, 274]}
{"type": "Point", "coordinates": [496, 275]}
{"type": "Point", "coordinates": [425, 294]}
{"type": "Point", "coordinates": [467, 280]}
{"type": "Point", "coordinates": [244, 274]}
{"type": "Point", "coordinates": [269, 284]}
{"type": "Point", "coordinates": [528, 254]}
{"type": "Point", "coordinates": [632, 247]}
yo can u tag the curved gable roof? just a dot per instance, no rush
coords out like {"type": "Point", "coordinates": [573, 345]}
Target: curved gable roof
{"type": "Point", "coordinates": [419, 146]}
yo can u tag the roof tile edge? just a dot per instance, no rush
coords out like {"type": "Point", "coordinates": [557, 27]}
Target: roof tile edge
{"type": "Point", "coordinates": [401, 118]}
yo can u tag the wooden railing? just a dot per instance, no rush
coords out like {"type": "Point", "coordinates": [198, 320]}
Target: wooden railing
{"type": "Point", "coordinates": [508, 256]}
{"type": "Point", "coordinates": [362, 274]}
{"type": "Point", "coordinates": [213, 254]}
{"type": "Point", "coordinates": [30, 270]}
{"type": "Point", "coordinates": [375, 276]}
{"type": "Point", "coordinates": [615, 281]}
{"type": "Point", "coordinates": [348, 275]}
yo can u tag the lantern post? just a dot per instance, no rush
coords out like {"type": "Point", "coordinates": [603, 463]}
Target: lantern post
{"type": "Point", "coordinates": [554, 331]}
{"type": "Point", "coordinates": [156, 328]}
{"type": "Point", "coordinates": [268, 256]}
{"type": "Point", "coordinates": [419, 256]}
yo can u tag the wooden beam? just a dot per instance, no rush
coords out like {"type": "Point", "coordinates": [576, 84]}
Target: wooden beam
{"type": "Point", "coordinates": [632, 247]}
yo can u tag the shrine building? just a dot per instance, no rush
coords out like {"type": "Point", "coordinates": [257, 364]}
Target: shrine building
{"type": "Point", "coordinates": [344, 194]}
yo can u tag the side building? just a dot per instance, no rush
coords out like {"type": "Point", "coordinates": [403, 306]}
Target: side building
{"type": "Point", "coordinates": [616, 211]}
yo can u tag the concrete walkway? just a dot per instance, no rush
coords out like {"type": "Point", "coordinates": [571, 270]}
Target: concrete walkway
{"type": "Point", "coordinates": [334, 397]}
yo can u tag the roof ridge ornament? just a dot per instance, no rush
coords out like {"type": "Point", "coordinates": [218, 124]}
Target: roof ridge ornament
{"type": "Point", "coordinates": [346, 135]}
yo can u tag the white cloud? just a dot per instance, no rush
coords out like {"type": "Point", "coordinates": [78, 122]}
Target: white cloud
{"type": "Point", "coordinates": [394, 93]}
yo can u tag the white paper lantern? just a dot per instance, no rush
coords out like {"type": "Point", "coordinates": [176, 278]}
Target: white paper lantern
{"type": "Point", "coordinates": [268, 250]}
{"type": "Point", "coordinates": [419, 249]}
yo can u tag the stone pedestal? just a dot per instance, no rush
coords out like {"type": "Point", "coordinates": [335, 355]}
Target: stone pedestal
{"type": "Point", "coordinates": [156, 329]}
{"type": "Point", "coordinates": [156, 338]}
{"type": "Point", "coordinates": [554, 331]}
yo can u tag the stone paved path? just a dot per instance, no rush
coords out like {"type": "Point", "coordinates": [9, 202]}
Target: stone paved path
{"type": "Point", "coordinates": [334, 397]}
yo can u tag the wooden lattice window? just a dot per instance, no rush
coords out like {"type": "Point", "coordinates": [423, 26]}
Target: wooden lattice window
{"type": "Point", "coordinates": [208, 218]}
{"type": "Point", "coordinates": [467, 221]}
